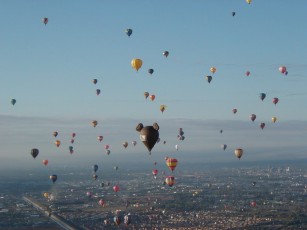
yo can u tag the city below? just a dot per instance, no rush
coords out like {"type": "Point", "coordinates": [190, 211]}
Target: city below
{"type": "Point", "coordinates": [266, 197]}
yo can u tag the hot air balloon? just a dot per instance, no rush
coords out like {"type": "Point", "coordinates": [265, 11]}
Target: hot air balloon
{"type": "Point", "coordinates": [224, 146]}
{"type": "Point", "coordinates": [128, 32]}
{"type": "Point", "coordinates": [282, 69]}
{"type": "Point", "coordinates": [155, 173]}
{"type": "Point", "coordinates": [97, 91]}
{"type": "Point", "coordinates": [155, 163]}
{"type": "Point", "coordinates": [95, 81]}
{"type": "Point", "coordinates": [275, 100]}
{"type": "Point", "coordinates": [163, 108]}
{"type": "Point", "coordinates": [106, 222]}
{"type": "Point", "coordinates": [53, 178]}
{"type": "Point", "coordinates": [108, 151]}
{"type": "Point", "coordinates": [262, 96]}
{"type": "Point", "coordinates": [165, 53]}
{"type": "Point", "coordinates": [71, 149]}
{"type": "Point", "coordinates": [55, 133]}
{"type": "Point", "coordinates": [89, 194]}
{"type": "Point", "coordinates": [116, 220]}
{"type": "Point", "coordinates": [95, 168]}
{"type": "Point", "coordinates": [213, 70]}
{"type": "Point", "coordinates": [233, 14]}
{"type": "Point", "coordinates": [73, 135]}
{"type": "Point", "coordinates": [100, 138]}
{"type": "Point", "coordinates": [101, 202]}
{"type": "Point", "coordinates": [150, 71]}
{"type": "Point", "coordinates": [13, 101]}
{"type": "Point", "coordinates": [57, 143]}
{"type": "Point", "coordinates": [170, 181]}
{"type": "Point", "coordinates": [72, 141]}
{"type": "Point", "coordinates": [171, 163]}
{"type": "Point", "coordinates": [46, 195]}
{"type": "Point", "coordinates": [146, 94]}
{"type": "Point", "coordinates": [253, 117]}
{"type": "Point", "coordinates": [95, 176]}
{"type": "Point", "coordinates": [152, 97]}
{"type": "Point", "coordinates": [106, 146]}
{"type": "Point", "coordinates": [148, 135]}
{"type": "Point", "coordinates": [134, 143]}
{"type": "Point", "coordinates": [127, 219]}
{"type": "Point", "coordinates": [115, 168]}
{"type": "Point", "coordinates": [34, 153]}
{"type": "Point", "coordinates": [249, 1]}
{"type": "Point", "coordinates": [209, 78]}
{"type": "Point", "coordinates": [221, 131]}
{"type": "Point", "coordinates": [234, 111]}
{"type": "Point", "coordinates": [115, 188]}
{"type": "Point", "coordinates": [125, 144]}
{"type": "Point", "coordinates": [247, 73]}
{"type": "Point", "coordinates": [45, 162]}
{"type": "Point", "coordinates": [253, 204]}
{"type": "Point", "coordinates": [262, 125]}
{"type": "Point", "coordinates": [94, 123]}
{"type": "Point", "coordinates": [45, 20]}
{"type": "Point", "coordinates": [239, 153]}
{"type": "Point", "coordinates": [274, 119]}
{"type": "Point", "coordinates": [136, 64]}
{"type": "Point", "coordinates": [176, 147]}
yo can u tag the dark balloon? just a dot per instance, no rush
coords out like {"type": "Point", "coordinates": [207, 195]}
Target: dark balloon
{"type": "Point", "coordinates": [166, 53]}
{"type": "Point", "coordinates": [233, 13]}
{"type": "Point", "coordinates": [95, 168]}
{"type": "Point", "coordinates": [128, 32]}
{"type": "Point", "coordinates": [209, 78]}
{"type": "Point", "coordinates": [148, 135]}
{"type": "Point", "coordinates": [262, 96]}
{"type": "Point", "coordinates": [34, 153]}
{"type": "Point", "coordinates": [97, 91]}
{"type": "Point", "coordinates": [95, 81]}
{"type": "Point", "coordinates": [150, 71]}
{"type": "Point", "coordinates": [53, 178]}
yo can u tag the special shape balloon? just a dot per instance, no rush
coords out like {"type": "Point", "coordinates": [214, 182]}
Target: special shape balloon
{"type": "Point", "coordinates": [148, 135]}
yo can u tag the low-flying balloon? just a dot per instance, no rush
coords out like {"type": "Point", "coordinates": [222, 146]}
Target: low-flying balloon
{"type": "Point", "coordinates": [155, 173]}
{"type": "Point", "coordinates": [117, 220]}
{"type": "Point", "coordinates": [115, 188]}
{"type": "Point", "coordinates": [170, 181]}
{"type": "Point", "coordinates": [95, 176]}
{"type": "Point", "coordinates": [101, 202]}
{"type": "Point", "coordinates": [239, 153]}
{"type": "Point", "coordinates": [127, 219]}
{"type": "Point", "coordinates": [171, 163]}
{"type": "Point", "coordinates": [148, 135]}
{"type": "Point", "coordinates": [53, 178]}
{"type": "Point", "coordinates": [136, 64]}
{"type": "Point", "coordinates": [95, 168]}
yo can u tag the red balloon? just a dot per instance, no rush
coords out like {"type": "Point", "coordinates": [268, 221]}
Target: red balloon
{"type": "Point", "coordinates": [116, 188]}
{"type": "Point", "coordinates": [275, 100]}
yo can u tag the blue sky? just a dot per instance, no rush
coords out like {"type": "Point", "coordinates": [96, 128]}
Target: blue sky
{"type": "Point", "coordinates": [49, 71]}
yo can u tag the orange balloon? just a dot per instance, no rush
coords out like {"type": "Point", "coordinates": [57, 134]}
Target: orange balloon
{"type": "Point", "coordinates": [45, 162]}
{"type": "Point", "coordinates": [152, 97]}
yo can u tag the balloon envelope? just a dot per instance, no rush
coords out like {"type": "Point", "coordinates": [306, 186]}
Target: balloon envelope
{"type": "Point", "coordinates": [34, 153]}
{"type": "Point", "coordinates": [148, 135]}
{"type": "Point", "coordinates": [136, 64]}
{"type": "Point", "coordinates": [239, 153]}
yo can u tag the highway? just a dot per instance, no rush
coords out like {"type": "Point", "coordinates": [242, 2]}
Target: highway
{"type": "Point", "coordinates": [57, 219]}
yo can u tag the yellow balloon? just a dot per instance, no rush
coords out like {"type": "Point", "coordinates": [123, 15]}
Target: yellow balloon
{"type": "Point", "coordinates": [249, 1]}
{"type": "Point", "coordinates": [136, 64]}
{"type": "Point", "coordinates": [274, 119]}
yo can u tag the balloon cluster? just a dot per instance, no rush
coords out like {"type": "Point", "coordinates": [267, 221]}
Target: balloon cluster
{"type": "Point", "coordinates": [180, 135]}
